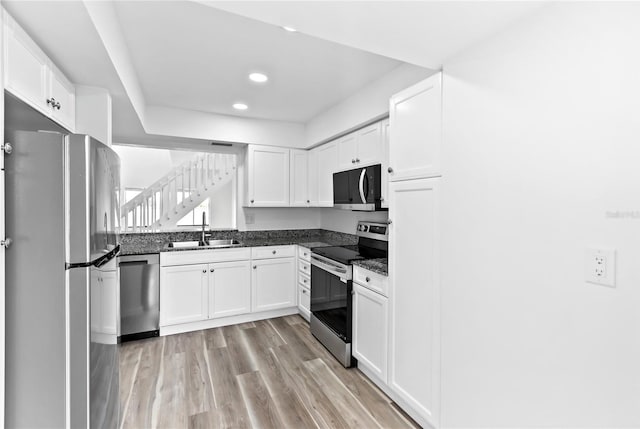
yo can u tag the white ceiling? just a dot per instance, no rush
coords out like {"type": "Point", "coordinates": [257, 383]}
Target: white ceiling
{"type": "Point", "coordinates": [423, 33]}
{"type": "Point", "coordinates": [194, 57]}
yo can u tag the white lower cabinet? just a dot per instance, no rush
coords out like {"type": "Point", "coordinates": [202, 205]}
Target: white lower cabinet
{"type": "Point", "coordinates": [304, 282]}
{"type": "Point", "coordinates": [370, 331]}
{"type": "Point", "coordinates": [201, 289]}
{"type": "Point", "coordinates": [273, 282]}
{"type": "Point", "coordinates": [414, 297]}
{"type": "Point", "coordinates": [229, 289]}
{"type": "Point", "coordinates": [183, 294]}
{"type": "Point", "coordinates": [104, 312]}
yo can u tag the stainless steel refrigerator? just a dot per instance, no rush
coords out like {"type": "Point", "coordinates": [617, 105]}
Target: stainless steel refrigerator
{"type": "Point", "coordinates": [62, 214]}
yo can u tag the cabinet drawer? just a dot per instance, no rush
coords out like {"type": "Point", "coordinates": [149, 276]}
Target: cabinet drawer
{"type": "Point", "coordinates": [269, 252]}
{"type": "Point", "coordinates": [189, 257]}
{"type": "Point", "coordinates": [304, 267]}
{"type": "Point", "coordinates": [370, 280]}
{"type": "Point", "coordinates": [304, 254]}
{"type": "Point", "coordinates": [304, 280]}
{"type": "Point", "coordinates": [304, 298]}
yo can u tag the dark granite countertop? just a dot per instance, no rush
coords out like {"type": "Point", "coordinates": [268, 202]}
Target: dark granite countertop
{"type": "Point", "coordinates": [379, 266]}
{"type": "Point", "coordinates": [145, 243]}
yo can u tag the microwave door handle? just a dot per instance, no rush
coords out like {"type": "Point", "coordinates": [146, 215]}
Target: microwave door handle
{"type": "Point", "coordinates": [363, 174]}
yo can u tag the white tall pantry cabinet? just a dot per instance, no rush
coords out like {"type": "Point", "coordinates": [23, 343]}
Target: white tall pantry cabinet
{"type": "Point", "coordinates": [414, 294]}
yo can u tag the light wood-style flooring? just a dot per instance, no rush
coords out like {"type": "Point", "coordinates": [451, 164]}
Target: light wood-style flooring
{"type": "Point", "coordinates": [266, 374]}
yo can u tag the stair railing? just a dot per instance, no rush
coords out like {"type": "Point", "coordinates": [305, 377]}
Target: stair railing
{"type": "Point", "coordinates": [147, 210]}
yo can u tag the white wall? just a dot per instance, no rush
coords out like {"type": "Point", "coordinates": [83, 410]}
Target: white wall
{"type": "Point", "coordinates": [168, 121]}
{"type": "Point", "coordinates": [140, 167]}
{"type": "Point", "coordinates": [346, 221]}
{"type": "Point", "coordinates": [221, 212]}
{"type": "Point", "coordinates": [371, 102]}
{"type": "Point", "coordinates": [541, 139]}
{"type": "Point", "coordinates": [93, 113]}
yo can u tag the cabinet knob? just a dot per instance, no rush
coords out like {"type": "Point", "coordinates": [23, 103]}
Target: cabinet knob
{"type": "Point", "coordinates": [305, 254]}
{"type": "Point", "coordinates": [368, 279]}
{"type": "Point", "coordinates": [304, 291]}
{"type": "Point", "coordinates": [357, 160]}
{"type": "Point", "coordinates": [204, 271]}
{"type": "Point", "coordinates": [274, 252]}
{"type": "Point", "coordinates": [251, 201]}
{"type": "Point", "coordinates": [255, 266]}
{"type": "Point", "coordinates": [389, 222]}
{"type": "Point", "coordinates": [308, 201]}
{"type": "Point", "coordinates": [390, 170]}
{"type": "Point", "coordinates": [51, 101]}
{"type": "Point", "coordinates": [212, 270]}
{"type": "Point", "coordinates": [304, 268]}
{"type": "Point", "coordinates": [305, 280]}
{"type": "Point", "coordinates": [381, 199]}
{"type": "Point", "coordinates": [57, 105]}
{"type": "Point", "coordinates": [353, 161]}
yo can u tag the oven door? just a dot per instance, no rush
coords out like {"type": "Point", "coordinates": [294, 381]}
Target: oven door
{"type": "Point", "coordinates": [331, 301]}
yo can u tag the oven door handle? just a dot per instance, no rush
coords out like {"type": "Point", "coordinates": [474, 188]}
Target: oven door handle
{"type": "Point", "coordinates": [326, 265]}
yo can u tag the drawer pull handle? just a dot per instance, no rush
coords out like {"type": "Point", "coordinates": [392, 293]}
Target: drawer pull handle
{"type": "Point", "coordinates": [368, 279]}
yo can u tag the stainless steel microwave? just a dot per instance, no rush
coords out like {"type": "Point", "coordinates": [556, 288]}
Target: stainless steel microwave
{"type": "Point", "coordinates": [358, 189]}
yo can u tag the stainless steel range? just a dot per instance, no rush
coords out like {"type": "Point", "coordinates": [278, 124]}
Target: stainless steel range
{"type": "Point", "coordinates": [331, 274]}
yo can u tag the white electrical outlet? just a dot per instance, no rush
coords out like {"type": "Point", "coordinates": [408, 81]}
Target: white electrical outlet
{"type": "Point", "coordinates": [600, 266]}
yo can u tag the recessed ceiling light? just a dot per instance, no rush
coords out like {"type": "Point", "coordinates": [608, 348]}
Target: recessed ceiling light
{"type": "Point", "coordinates": [289, 29]}
{"type": "Point", "coordinates": [258, 77]}
{"type": "Point", "coordinates": [240, 106]}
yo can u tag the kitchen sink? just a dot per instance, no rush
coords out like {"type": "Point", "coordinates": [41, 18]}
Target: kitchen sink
{"type": "Point", "coordinates": [209, 244]}
{"type": "Point", "coordinates": [220, 243]}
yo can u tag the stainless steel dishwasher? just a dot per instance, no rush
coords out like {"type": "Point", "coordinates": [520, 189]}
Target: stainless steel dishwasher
{"type": "Point", "coordinates": [139, 296]}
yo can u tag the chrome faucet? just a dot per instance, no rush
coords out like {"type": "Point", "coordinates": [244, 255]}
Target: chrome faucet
{"type": "Point", "coordinates": [204, 222]}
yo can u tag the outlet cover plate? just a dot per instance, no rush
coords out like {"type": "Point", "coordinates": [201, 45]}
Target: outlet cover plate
{"type": "Point", "coordinates": [600, 266]}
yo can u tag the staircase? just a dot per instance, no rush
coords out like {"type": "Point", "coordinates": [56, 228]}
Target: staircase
{"type": "Point", "coordinates": [178, 192]}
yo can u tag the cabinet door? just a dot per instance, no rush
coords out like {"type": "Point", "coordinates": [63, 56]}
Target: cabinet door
{"type": "Point", "coordinates": [299, 190]}
{"type": "Point", "coordinates": [273, 283]}
{"type": "Point", "coordinates": [347, 151]}
{"type": "Point", "coordinates": [304, 301]}
{"type": "Point", "coordinates": [183, 294]}
{"type": "Point", "coordinates": [229, 288]}
{"type": "Point", "coordinates": [64, 93]}
{"type": "Point", "coordinates": [268, 176]}
{"type": "Point", "coordinates": [26, 68]}
{"type": "Point", "coordinates": [370, 145]}
{"type": "Point", "coordinates": [327, 158]}
{"type": "Point", "coordinates": [414, 296]}
{"type": "Point", "coordinates": [110, 303]}
{"type": "Point", "coordinates": [370, 328]}
{"type": "Point", "coordinates": [312, 177]}
{"type": "Point", "coordinates": [384, 190]}
{"type": "Point", "coordinates": [416, 130]}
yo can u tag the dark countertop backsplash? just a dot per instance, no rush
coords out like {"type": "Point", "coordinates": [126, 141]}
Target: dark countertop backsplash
{"type": "Point", "coordinates": [156, 242]}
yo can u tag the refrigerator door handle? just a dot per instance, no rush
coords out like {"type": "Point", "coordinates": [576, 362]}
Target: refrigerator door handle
{"type": "Point", "coordinates": [102, 260]}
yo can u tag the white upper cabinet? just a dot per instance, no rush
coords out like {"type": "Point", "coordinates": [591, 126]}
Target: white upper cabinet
{"type": "Point", "coordinates": [327, 164]}
{"type": "Point", "coordinates": [63, 100]}
{"type": "Point", "coordinates": [416, 130]}
{"type": "Point", "coordinates": [347, 151]}
{"type": "Point", "coordinates": [361, 148]}
{"type": "Point", "coordinates": [370, 145]}
{"type": "Point", "coordinates": [31, 76]}
{"type": "Point", "coordinates": [299, 186]}
{"type": "Point", "coordinates": [267, 176]}
{"type": "Point", "coordinates": [384, 191]}
{"type": "Point", "coordinates": [312, 177]}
